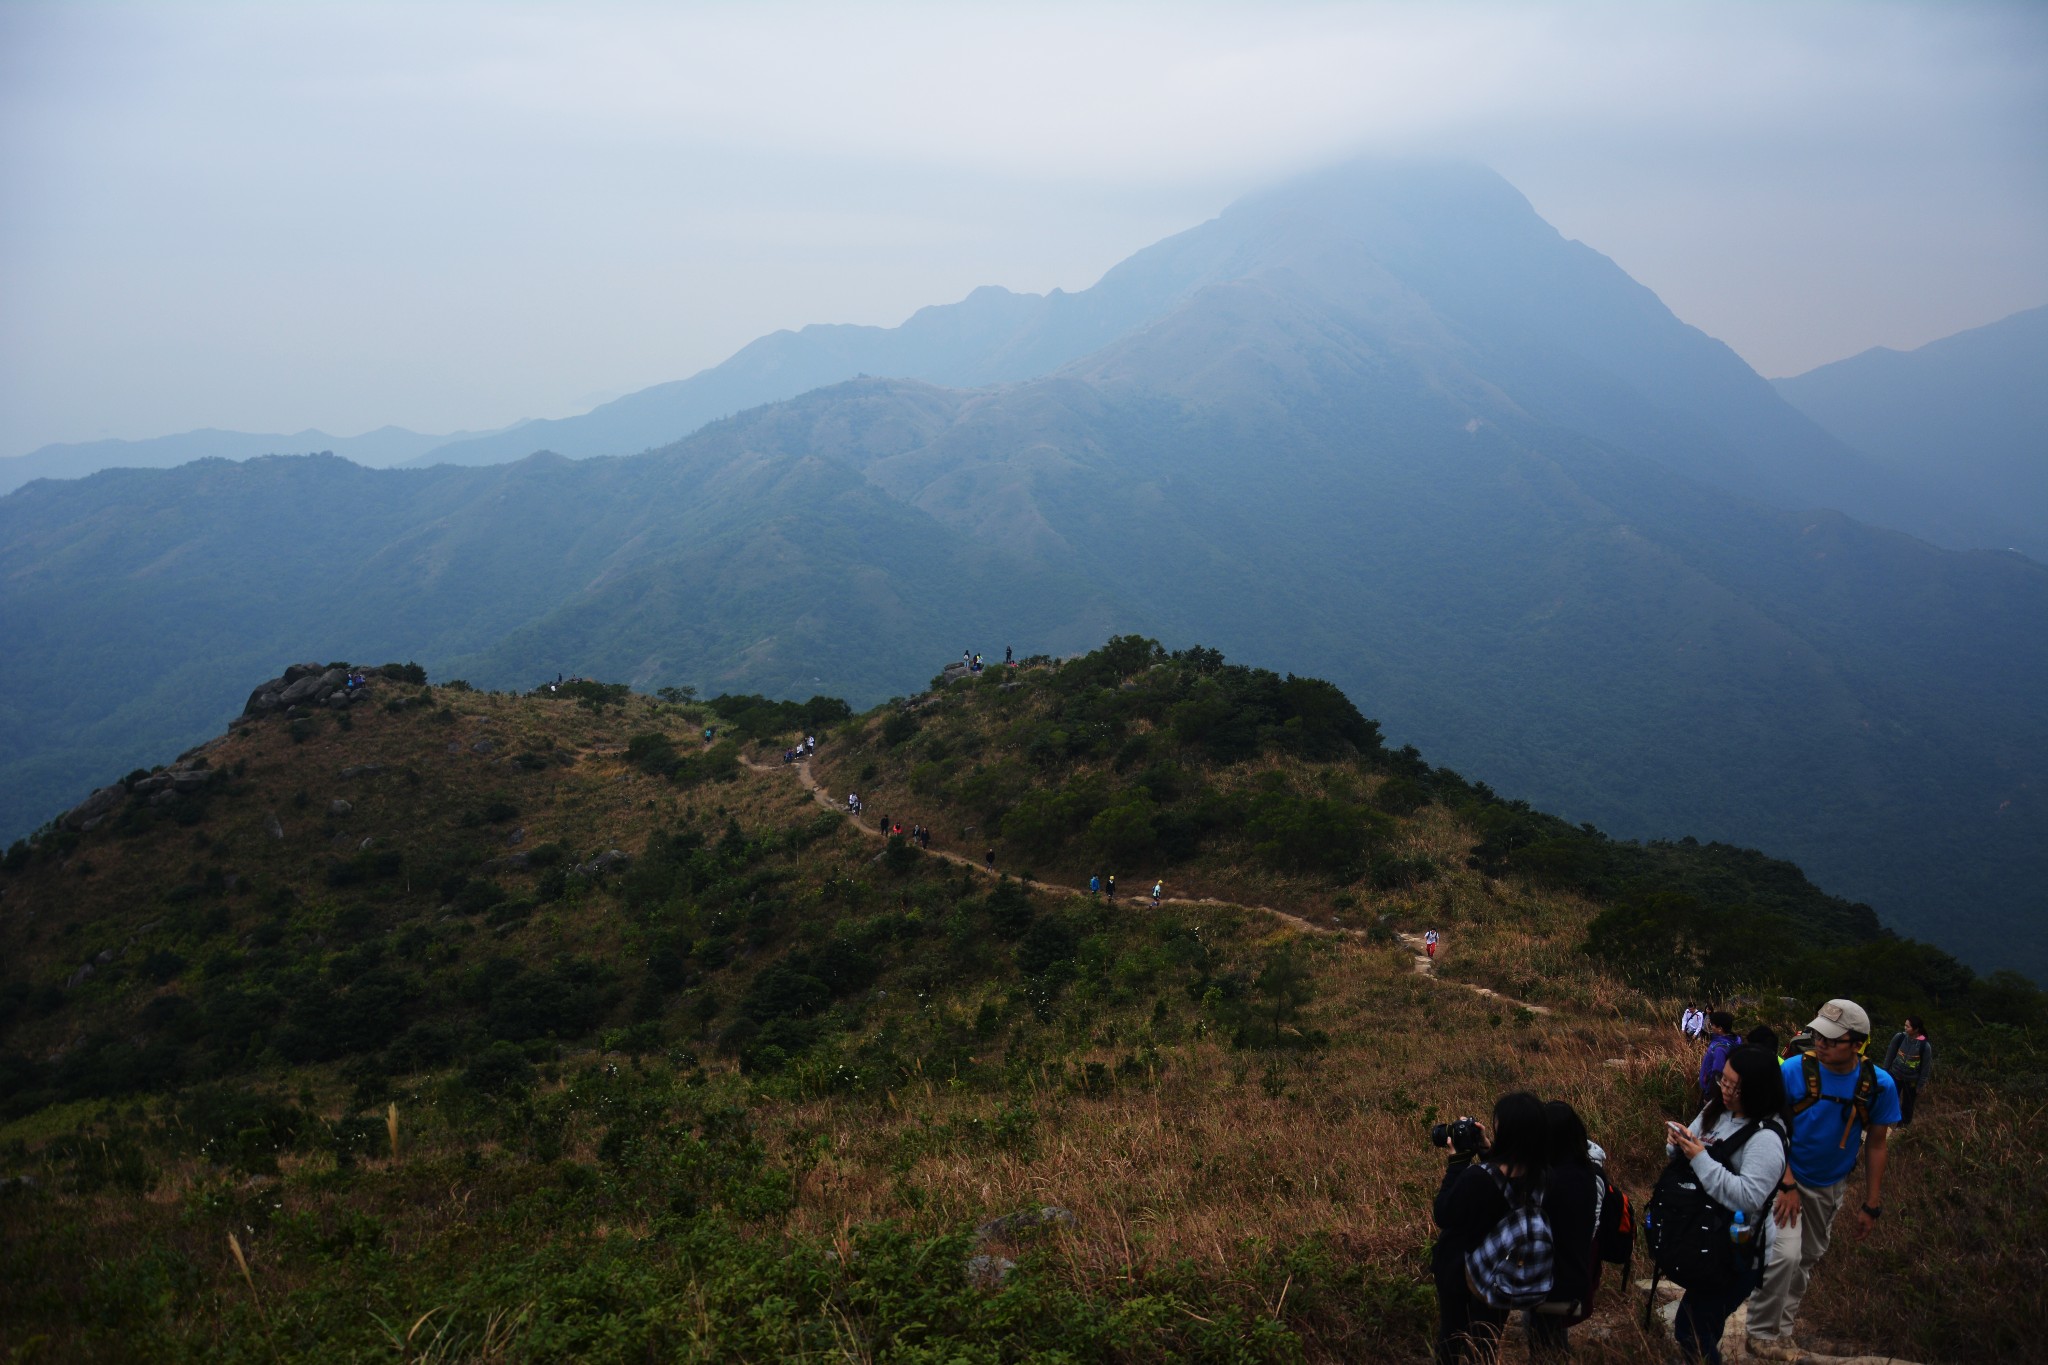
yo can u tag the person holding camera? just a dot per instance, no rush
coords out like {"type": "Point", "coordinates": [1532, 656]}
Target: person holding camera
{"type": "Point", "coordinates": [1472, 1200]}
{"type": "Point", "coordinates": [1836, 1099]}
{"type": "Point", "coordinates": [1735, 1150]}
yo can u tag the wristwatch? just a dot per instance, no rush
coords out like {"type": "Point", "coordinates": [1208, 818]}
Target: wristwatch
{"type": "Point", "coordinates": [1788, 1189]}
{"type": "Point", "coordinates": [1874, 1213]}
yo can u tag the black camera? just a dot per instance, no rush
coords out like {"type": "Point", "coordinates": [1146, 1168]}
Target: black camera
{"type": "Point", "coordinates": [1463, 1137]}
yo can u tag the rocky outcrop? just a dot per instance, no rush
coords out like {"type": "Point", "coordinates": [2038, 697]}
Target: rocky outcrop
{"type": "Point", "coordinates": [183, 781]}
{"type": "Point", "coordinates": [88, 813]}
{"type": "Point", "coordinates": [987, 1270]}
{"type": "Point", "coordinates": [304, 685]}
{"type": "Point", "coordinates": [189, 776]}
{"type": "Point", "coordinates": [1012, 1225]}
{"type": "Point", "coordinates": [611, 859]}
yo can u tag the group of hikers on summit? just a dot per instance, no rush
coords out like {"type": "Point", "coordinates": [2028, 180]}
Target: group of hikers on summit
{"type": "Point", "coordinates": [1743, 1212]}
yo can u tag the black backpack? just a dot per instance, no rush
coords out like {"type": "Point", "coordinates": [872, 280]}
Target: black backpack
{"type": "Point", "coordinates": [1688, 1233]}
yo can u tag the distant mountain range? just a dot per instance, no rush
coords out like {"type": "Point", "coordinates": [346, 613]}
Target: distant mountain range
{"type": "Point", "coordinates": [1384, 424]}
{"type": "Point", "coordinates": [377, 449]}
{"type": "Point", "coordinates": [1967, 415]}
{"type": "Point", "coordinates": [1954, 427]}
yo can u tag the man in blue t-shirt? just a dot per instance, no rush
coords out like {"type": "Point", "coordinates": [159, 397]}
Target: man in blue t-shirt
{"type": "Point", "coordinates": [1836, 1100]}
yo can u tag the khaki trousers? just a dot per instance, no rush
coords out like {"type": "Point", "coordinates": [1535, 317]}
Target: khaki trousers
{"type": "Point", "coordinates": [1794, 1252]}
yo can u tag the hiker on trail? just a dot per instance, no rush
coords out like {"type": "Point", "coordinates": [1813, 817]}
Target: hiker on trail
{"type": "Point", "coordinates": [1429, 944]}
{"type": "Point", "coordinates": [1572, 1190]}
{"type": "Point", "coordinates": [990, 859]}
{"type": "Point", "coordinates": [1158, 889]}
{"type": "Point", "coordinates": [1910, 1060]}
{"type": "Point", "coordinates": [852, 804]}
{"type": "Point", "coordinates": [1112, 886]}
{"type": "Point", "coordinates": [1009, 659]}
{"type": "Point", "coordinates": [1732, 1154]}
{"type": "Point", "coordinates": [1095, 886]}
{"type": "Point", "coordinates": [810, 744]}
{"type": "Point", "coordinates": [977, 663]}
{"type": "Point", "coordinates": [708, 734]}
{"type": "Point", "coordinates": [1693, 1022]}
{"type": "Point", "coordinates": [1836, 1099]}
{"type": "Point", "coordinates": [1722, 1041]}
{"type": "Point", "coordinates": [1485, 1185]}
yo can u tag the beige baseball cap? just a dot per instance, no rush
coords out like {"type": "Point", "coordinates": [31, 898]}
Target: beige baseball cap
{"type": "Point", "coordinates": [1838, 1017]}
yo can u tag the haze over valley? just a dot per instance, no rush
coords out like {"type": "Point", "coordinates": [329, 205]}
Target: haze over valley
{"type": "Point", "coordinates": [1382, 424]}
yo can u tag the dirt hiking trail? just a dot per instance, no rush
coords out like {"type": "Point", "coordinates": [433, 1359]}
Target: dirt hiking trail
{"type": "Point", "coordinates": [1423, 965]}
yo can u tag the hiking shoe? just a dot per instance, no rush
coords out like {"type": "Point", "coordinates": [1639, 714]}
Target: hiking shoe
{"type": "Point", "coordinates": [1774, 1348]}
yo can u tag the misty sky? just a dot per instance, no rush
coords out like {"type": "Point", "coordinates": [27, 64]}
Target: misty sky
{"type": "Point", "coordinates": [269, 217]}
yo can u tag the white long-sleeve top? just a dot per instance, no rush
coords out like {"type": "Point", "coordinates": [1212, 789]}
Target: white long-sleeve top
{"type": "Point", "coordinates": [1749, 1180]}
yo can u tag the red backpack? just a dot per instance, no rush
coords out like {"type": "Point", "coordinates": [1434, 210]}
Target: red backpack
{"type": "Point", "coordinates": [1615, 1239]}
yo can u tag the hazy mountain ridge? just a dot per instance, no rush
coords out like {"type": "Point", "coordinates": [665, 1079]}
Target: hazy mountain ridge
{"type": "Point", "coordinates": [378, 449]}
{"type": "Point", "coordinates": [1967, 413]}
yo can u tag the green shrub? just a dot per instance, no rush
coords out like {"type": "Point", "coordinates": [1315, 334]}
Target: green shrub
{"type": "Point", "coordinates": [502, 1068]}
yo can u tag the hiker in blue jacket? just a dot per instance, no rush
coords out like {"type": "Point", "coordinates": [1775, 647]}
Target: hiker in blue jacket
{"type": "Point", "coordinates": [1837, 1100]}
{"type": "Point", "coordinates": [1721, 1040]}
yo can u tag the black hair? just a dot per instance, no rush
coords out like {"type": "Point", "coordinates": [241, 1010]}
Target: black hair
{"type": "Point", "coordinates": [1566, 1134]}
{"type": "Point", "coordinates": [1764, 1038]}
{"type": "Point", "coordinates": [1722, 1020]}
{"type": "Point", "coordinates": [1917, 1024]}
{"type": "Point", "coordinates": [1521, 1132]}
{"type": "Point", "coordinates": [1763, 1086]}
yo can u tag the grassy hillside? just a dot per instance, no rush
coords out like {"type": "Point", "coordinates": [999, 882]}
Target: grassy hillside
{"type": "Point", "coordinates": [459, 1083]}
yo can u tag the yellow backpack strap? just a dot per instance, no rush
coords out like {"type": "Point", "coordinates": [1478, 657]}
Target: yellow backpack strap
{"type": "Point", "coordinates": [1866, 1091]}
{"type": "Point", "coordinates": [1809, 1068]}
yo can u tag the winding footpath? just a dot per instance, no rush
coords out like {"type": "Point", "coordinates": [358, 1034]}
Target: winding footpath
{"type": "Point", "coordinates": [1733, 1345]}
{"type": "Point", "coordinates": [1423, 965]}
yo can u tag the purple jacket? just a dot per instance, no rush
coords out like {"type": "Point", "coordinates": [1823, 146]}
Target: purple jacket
{"type": "Point", "coordinates": [1718, 1048]}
